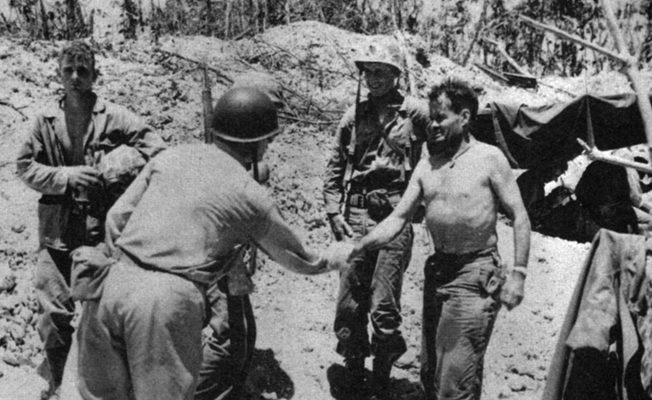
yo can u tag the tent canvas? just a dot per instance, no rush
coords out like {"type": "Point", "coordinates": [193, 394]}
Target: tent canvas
{"type": "Point", "coordinates": [534, 137]}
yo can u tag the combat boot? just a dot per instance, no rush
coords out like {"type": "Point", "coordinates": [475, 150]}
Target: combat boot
{"type": "Point", "coordinates": [355, 375]}
{"type": "Point", "coordinates": [380, 378]}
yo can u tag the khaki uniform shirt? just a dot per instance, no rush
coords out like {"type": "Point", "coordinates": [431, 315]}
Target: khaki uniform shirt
{"type": "Point", "coordinates": [384, 154]}
{"type": "Point", "coordinates": [43, 162]}
{"type": "Point", "coordinates": [188, 212]}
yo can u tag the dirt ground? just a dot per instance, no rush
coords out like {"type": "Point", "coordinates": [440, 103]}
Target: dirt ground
{"type": "Point", "coordinates": [295, 347]}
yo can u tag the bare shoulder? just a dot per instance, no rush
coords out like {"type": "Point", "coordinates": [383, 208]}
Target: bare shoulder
{"type": "Point", "coordinates": [490, 154]}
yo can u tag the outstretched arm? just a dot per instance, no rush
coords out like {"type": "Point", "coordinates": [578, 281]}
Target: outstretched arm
{"type": "Point", "coordinates": [391, 226]}
{"type": "Point", "coordinates": [283, 245]}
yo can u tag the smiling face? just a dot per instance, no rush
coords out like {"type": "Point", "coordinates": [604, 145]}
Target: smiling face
{"type": "Point", "coordinates": [77, 74]}
{"type": "Point", "coordinates": [380, 78]}
{"type": "Point", "coordinates": [447, 128]}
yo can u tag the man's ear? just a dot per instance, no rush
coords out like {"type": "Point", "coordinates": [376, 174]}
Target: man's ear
{"type": "Point", "coordinates": [466, 116]}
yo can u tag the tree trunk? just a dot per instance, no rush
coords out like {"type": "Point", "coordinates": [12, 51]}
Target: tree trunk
{"type": "Point", "coordinates": [227, 17]}
{"type": "Point", "coordinates": [209, 19]}
{"type": "Point", "coordinates": [287, 12]}
{"type": "Point", "coordinates": [45, 30]}
{"type": "Point", "coordinates": [254, 4]}
{"type": "Point", "coordinates": [70, 18]}
{"type": "Point", "coordinates": [265, 14]}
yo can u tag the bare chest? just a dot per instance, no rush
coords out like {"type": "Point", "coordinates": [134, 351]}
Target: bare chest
{"type": "Point", "coordinates": [454, 180]}
{"type": "Point", "coordinates": [73, 141]}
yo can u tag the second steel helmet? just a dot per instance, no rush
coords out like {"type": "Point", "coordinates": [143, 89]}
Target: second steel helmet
{"type": "Point", "coordinates": [244, 115]}
{"type": "Point", "coordinates": [388, 54]}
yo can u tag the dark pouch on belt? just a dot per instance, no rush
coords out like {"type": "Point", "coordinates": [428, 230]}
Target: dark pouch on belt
{"type": "Point", "coordinates": [378, 204]}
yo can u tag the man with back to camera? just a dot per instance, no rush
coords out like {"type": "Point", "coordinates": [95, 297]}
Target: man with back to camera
{"type": "Point", "coordinates": [59, 160]}
{"type": "Point", "coordinates": [463, 184]}
{"type": "Point", "coordinates": [173, 233]}
{"type": "Point", "coordinates": [228, 352]}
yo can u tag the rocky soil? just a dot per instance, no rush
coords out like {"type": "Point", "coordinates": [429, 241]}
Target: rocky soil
{"type": "Point", "coordinates": [294, 313]}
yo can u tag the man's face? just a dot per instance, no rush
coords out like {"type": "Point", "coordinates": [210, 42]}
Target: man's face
{"type": "Point", "coordinates": [380, 79]}
{"type": "Point", "coordinates": [447, 128]}
{"type": "Point", "coordinates": [77, 74]}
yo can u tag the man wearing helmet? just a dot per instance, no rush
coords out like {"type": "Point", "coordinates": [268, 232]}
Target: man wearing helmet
{"type": "Point", "coordinates": [173, 234]}
{"type": "Point", "coordinates": [377, 144]}
{"type": "Point", "coordinates": [228, 352]}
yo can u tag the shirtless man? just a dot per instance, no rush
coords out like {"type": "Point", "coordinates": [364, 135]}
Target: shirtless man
{"type": "Point", "coordinates": [463, 184]}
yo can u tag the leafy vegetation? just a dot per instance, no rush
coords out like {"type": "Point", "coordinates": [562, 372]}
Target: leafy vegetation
{"type": "Point", "coordinates": [461, 30]}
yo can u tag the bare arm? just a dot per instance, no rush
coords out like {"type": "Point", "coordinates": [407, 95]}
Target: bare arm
{"type": "Point", "coordinates": [391, 226]}
{"type": "Point", "coordinates": [283, 245]}
{"type": "Point", "coordinates": [505, 186]}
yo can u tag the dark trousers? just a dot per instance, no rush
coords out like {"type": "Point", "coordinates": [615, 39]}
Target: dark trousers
{"type": "Point", "coordinates": [372, 286]}
{"type": "Point", "coordinates": [460, 305]}
{"type": "Point", "coordinates": [228, 352]}
{"type": "Point", "coordinates": [52, 286]}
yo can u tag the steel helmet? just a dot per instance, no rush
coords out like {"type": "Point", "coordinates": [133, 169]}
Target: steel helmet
{"type": "Point", "coordinates": [264, 82]}
{"type": "Point", "coordinates": [244, 115]}
{"type": "Point", "coordinates": [388, 54]}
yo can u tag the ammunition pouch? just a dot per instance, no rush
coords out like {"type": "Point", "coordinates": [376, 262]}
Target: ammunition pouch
{"type": "Point", "coordinates": [378, 204]}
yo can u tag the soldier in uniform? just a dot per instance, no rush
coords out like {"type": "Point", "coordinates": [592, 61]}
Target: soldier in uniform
{"type": "Point", "coordinates": [228, 352]}
{"type": "Point", "coordinates": [173, 234]}
{"type": "Point", "coordinates": [377, 144]}
{"type": "Point", "coordinates": [60, 159]}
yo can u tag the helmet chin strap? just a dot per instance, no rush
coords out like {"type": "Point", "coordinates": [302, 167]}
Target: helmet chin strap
{"type": "Point", "coordinates": [254, 161]}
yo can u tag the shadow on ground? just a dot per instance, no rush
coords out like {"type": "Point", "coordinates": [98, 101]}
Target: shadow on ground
{"type": "Point", "coordinates": [400, 389]}
{"type": "Point", "coordinates": [267, 377]}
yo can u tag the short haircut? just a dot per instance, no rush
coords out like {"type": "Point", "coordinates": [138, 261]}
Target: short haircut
{"type": "Point", "coordinates": [79, 50]}
{"type": "Point", "coordinates": [460, 93]}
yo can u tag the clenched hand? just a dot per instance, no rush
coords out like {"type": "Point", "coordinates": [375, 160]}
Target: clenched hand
{"type": "Point", "coordinates": [512, 291]}
{"type": "Point", "coordinates": [83, 177]}
{"type": "Point", "coordinates": [339, 227]}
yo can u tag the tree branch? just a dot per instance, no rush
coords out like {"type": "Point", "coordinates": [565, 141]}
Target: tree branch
{"type": "Point", "coordinates": [598, 155]}
{"type": "Point", "coordinates": [223, 78]}
{"type": "Point", "coordinates": [573, 38]}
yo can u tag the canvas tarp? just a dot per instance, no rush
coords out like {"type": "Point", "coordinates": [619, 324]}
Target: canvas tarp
{"type": "Point", "coordinates": [540, 136]}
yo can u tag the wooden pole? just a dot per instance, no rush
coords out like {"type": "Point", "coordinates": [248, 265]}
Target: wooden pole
{"type": "Point", "coordinates": [598, 155]}
{"type": "Point", "coordinates": [501, 48]}
{"type": "Point", "coordinates": [207, 102]}
{"type": "Point", "coordinates": [572, 38]}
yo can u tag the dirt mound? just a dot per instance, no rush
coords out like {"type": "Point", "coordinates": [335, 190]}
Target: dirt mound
{"type": "Point", "coordinates": [313, 62]}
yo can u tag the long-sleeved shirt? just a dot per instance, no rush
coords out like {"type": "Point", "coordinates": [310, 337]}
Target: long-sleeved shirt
{"type": "Point", "coordinates": [44, 161]}
{"type": "Point", "coordinates": [384, 153]}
